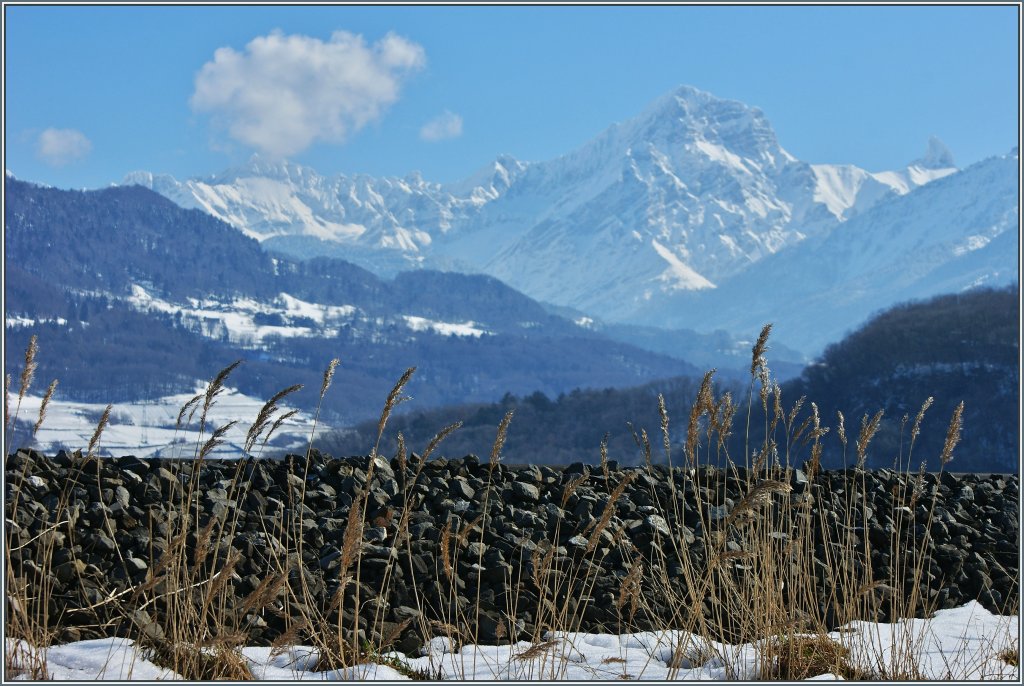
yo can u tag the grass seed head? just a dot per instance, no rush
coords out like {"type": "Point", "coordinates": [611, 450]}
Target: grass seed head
{"type": "Point", "coordinates": [191, 404]}
{"type": "Point", "coordinates": [868, 429]}
{"type": "Point", "coordinates": [395, 398]}
{"type": "Point", "coordinates": [216, 386]}
{"type": "Point", "coordinates": [604, 456]}
{"type": "Point", "coordinates": [328, 375]}
{"type": "Point", "coordinates": [438, 437]}
{"type": "Point", "coordinates": [216, 439]}
{"type": "Point", "coordinates": [609, 510]}
{"type": "Point", "coordinates": [663, 413]}
{"type": "Point", "coordinates": [757, 353]}
{"type": "Point", "coordinates": [401, 455]}
{"type": "Point", "coordinates": [841, 428]}
{"type": "Point", "coordinates": [499, 440]}
{"type": "Point", "coordinates": [264, 415]}
{"type": "Point", "coordinates": [446, 550]}
{"type": "Point", "coordinates": [94, 441]}
{"type": "Point", "coordinates": [952, 434]}
{"type": "Point", "coordinates": [29, 371]}
{"type": "Point", "coordinates": [7, 400]}
{"type": "Point", "coordinates": [43, 405]}
{"type": "Point", "coordinates": [281, 419]}
{"type": "Point", "coordinates": [758, 496]}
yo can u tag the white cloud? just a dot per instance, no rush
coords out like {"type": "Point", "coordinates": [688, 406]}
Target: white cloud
{"type": "Point", "coordinates": [285, 92]}
{"type": "Point", "coordinates": [442, 127]}
{"type": "Point", "coordinates": [58, 147]}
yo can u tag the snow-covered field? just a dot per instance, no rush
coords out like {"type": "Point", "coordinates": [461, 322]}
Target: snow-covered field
{"type": "Point", "coordinates": [147, 428]}
{"type": "Point", "coordinates": [238, 317]}
{"type": "Point", "coordinates": [957, 644]}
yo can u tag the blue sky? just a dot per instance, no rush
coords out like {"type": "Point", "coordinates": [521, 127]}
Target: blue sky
{"type": "Point", "coordinates": [92, 93]}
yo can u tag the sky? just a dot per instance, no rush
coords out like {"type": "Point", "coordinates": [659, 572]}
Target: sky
{"type": "Point", "coordinates": [92, 93]}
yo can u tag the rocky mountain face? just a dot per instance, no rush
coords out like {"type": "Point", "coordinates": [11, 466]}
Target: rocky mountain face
{"type": "Point", "coordinates": [654, 214]}
{"type": "Point", "coordinates": [957, 233]}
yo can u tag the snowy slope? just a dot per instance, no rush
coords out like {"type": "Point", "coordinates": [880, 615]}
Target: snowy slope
{"type": "Point", "coordinates": [391, 220]}
{"type": "Point", "coordinates": [958, 232]}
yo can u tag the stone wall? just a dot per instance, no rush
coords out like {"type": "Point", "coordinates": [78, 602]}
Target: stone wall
{"type": "Point", "coordinates": [115, 520]}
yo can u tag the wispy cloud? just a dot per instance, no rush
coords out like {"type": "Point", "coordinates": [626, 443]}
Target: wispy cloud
{"type": "Point", "coordinates": [285, 92]}
{"type": "Point", "coordinates": [442, 127]}
{"type": "Point", "coordinates": [59, 147]}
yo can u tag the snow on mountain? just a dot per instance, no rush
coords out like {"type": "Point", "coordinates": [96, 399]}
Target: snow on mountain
{"type": "Point", "coordinates": [279, 202]}
{"type": "Point", "coordinates": [848, 190]}
{"type": "Point", "coordinates": [684, 197]}
{"type": "Point", "coordinates": [955, 233]}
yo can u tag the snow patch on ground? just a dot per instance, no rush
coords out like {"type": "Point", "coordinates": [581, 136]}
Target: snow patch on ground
{"type": "Point", "coordinates": [958, 644]}
{"type": "Point", "coordinates": [147, 428]}
{"type": "Point", "coordinates": [15, 321]}
{"type": "Point", "coordinates": [444, 328]}
{"type": "Point", "coordinates": [236, 318]}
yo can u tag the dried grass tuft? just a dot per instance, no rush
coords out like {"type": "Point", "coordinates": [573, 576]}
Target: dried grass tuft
{"type": "Point", "coordinates": [952, 434]}
{"type": "Point", "coordinates": [797, 657]}
{"type": "Point", "coordinates": [538, 650]}
{"type": "Point", "coordinates": [757, 353]}
{"type": "Point", "coordinates": [328, 376]}
{"type": "Point", "coordinates": [216, 386]}
{"type": "Point", "coordinates": [264, 415]}
{"type": "Point", "coordinates": [868, 429]}
{"type": "Point", "coordinates": [29, 371]}
{"type": "Point", "coordinates": [609, 510]}
{"type": "Point", "coordinates": [7, 401]}
{"type": "Point", "coordinates": [499, 440]}
{"type": "Point", "coordinates": [94, 441]}
{"type": "Point", "coordinates": [190, 405]}
{"type": "Point", "coordinates": [43, 405]}
{"type": "Point", "coordinates": [920, 415]}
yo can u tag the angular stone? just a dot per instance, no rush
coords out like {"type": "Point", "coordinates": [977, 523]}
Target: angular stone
{"type": "Point", "coordinates": [525, 491]}
{"type": "Point", "coordinates": [459, 489]}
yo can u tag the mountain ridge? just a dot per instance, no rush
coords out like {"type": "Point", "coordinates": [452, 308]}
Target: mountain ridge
{"type": "Point", "coordinates": [131, 295]}
{"type": "Point", "coordinates": [686, 197]}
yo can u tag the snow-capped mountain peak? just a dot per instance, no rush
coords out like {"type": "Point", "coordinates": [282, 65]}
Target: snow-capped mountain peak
{"type": "Point", "coordinates": [685, 196]}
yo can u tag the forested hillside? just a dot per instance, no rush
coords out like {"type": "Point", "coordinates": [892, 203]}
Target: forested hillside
{"type": "Point", "coordinates": [952, 348]}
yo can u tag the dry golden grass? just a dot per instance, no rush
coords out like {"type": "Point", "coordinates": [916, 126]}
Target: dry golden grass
{"type": "Point", "coordinates": [798, 657]}
{"type": "Point", "coordinates": [755, 567]}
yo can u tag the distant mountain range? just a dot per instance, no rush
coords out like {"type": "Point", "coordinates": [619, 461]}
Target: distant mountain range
{"type": "Point", "coordinates": [656, 250]}
{"type": "Point", "coordinates": [133, 297]}
{"type": "Point", "coordinates": [690, 215]}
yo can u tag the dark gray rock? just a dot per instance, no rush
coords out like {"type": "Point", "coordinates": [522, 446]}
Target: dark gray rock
{"type": "Point", "coordinates": [525, 492]}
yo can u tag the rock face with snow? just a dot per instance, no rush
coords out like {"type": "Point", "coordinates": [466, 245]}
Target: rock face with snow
{"type": "Point", "coordinates": [956, 233]}
{"type": "Point", "coordinates": [686, 197]}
